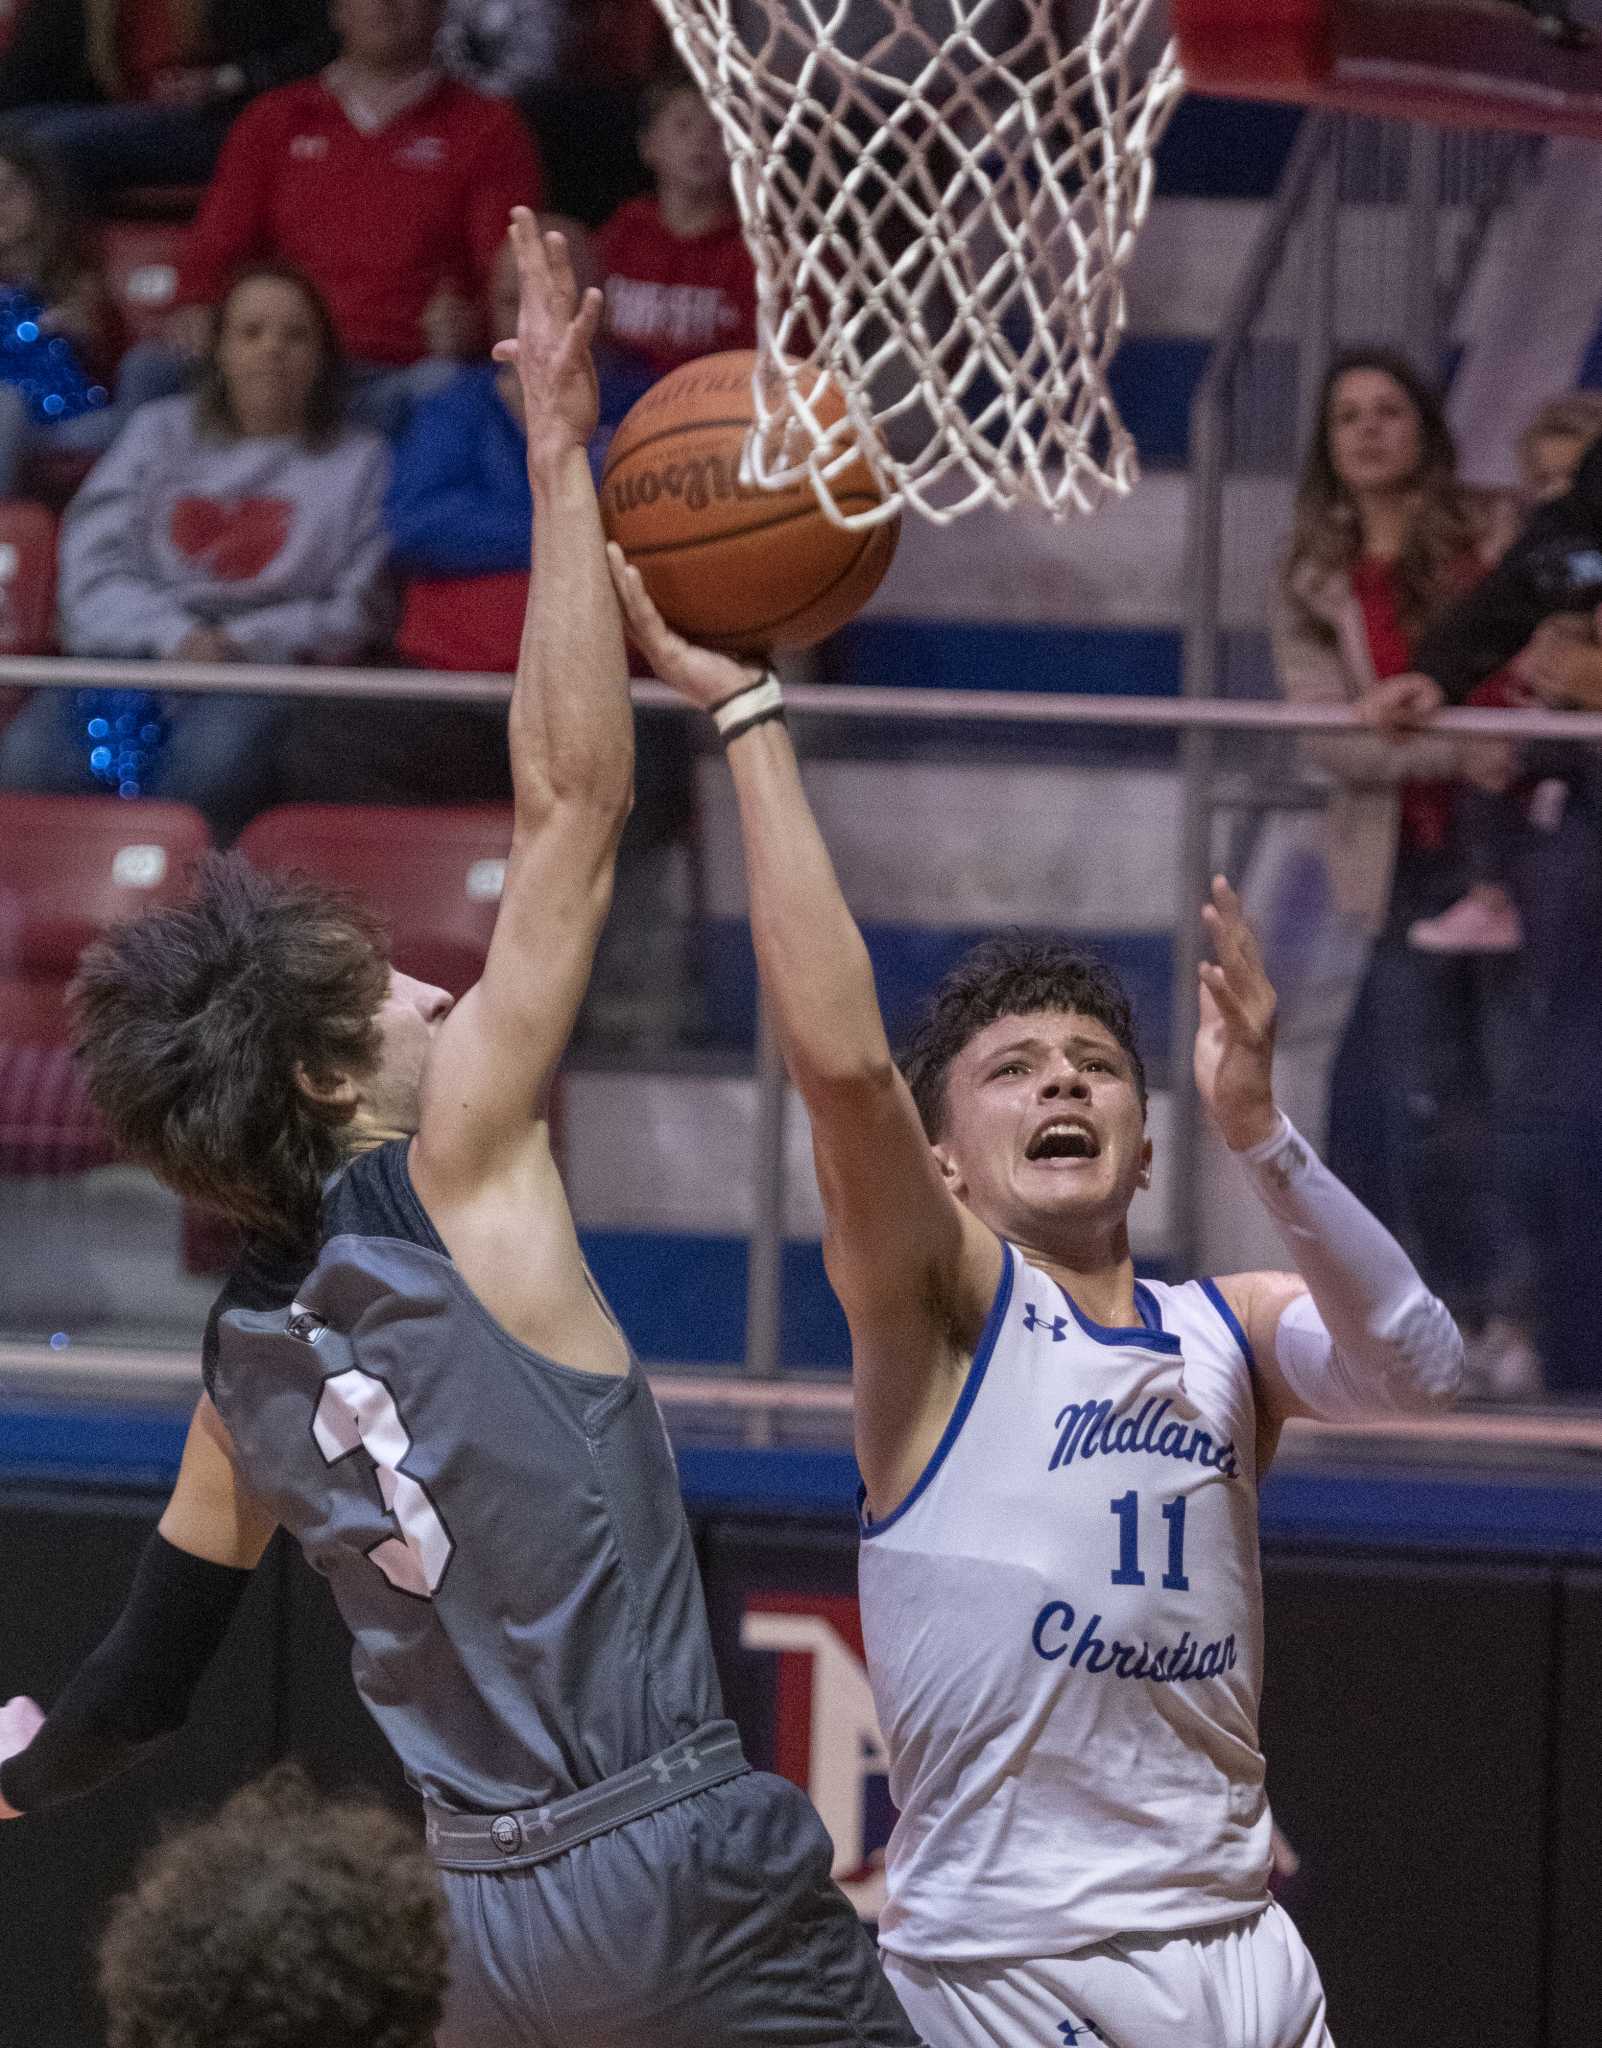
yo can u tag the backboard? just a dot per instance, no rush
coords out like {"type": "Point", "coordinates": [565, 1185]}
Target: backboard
{"type": "Point", "coordinates": [1533, 64]}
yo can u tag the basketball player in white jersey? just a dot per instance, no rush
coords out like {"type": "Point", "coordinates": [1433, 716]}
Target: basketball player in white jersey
{"type": "Point", "coordinates": [1060, 1585]}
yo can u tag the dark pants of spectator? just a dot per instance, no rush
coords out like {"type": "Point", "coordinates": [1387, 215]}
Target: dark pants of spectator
{"type": "Point", "coordinates": [1465, 1106]}
{"type": "Point", "coordinates": [1551, 1093]}
{"type": "Point", "coordinates": [1489, 824]}
{"type": "Point", "coordinates": [1413, 1124]}
{"type": "Point", "coordinates": [107, 148]}
{"type": "Point", "coordinates": [220, 754]}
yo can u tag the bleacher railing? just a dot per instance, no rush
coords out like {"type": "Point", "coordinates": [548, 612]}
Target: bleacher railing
{"type": "Point", "coordinates": [89, 1366]}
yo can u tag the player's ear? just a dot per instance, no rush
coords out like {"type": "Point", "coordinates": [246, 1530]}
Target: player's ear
{"type": "Point", "coordinates": [337, 1091]}
{"type": "Point", "coordinates": [950, 1172]}
{"type": "Point", "coordinates": [1145, 1163]}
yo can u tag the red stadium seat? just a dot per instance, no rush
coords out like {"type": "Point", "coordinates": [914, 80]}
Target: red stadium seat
{"type": "Point", "coordinates": [140, 260]}
{"type": "Point", "coordinates": [72, 865]}
{"type": "Point", "coordinates": [69, 867]}
{"type": "Point", "coordinates": [27, 578]}
{"type": "Point", "coordinates": [433, 875]}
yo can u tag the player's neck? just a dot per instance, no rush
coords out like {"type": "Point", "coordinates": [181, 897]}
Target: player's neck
{"type": "Point", "coordinates": [1097, 1273]}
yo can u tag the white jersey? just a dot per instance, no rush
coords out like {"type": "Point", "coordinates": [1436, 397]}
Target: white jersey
{"type": "Point", "coordinates": [1063, 1623]}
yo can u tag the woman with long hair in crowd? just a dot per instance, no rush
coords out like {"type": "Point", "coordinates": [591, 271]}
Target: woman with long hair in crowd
{"type": "Point", "coordinates": [1384, 538]}
{"type": "Point", "coordinates": [242, 522]}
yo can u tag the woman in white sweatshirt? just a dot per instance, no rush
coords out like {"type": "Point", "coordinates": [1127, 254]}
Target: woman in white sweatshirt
{"type": "Point", "coordinates": [240, 522]}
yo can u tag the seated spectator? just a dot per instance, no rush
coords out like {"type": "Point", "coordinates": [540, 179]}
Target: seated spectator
{"type": "Point", "coordinates": [388, 184]}
{"type": "Point", "coordinates": [1491, 817]}
{"type": "Point", "coordinates": [244, 523]}
{"type": "Point", "coordinates": [58, 333]}
{"type": "Point", "coordinates": [142, 92]}
{"type": "Point", "coordinates": [678, 278]}
{"type": "Point", "coordinates": [283, 1922]}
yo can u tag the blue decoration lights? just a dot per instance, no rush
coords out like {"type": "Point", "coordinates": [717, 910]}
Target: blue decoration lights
{"type": "Point", "coordinates": [122, 733]}
{"type": "Point", "coordinates": [45, 367]}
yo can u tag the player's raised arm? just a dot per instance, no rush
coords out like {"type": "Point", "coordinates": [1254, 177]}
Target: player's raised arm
{"type": "Point", "coordinates": [572, 760]}
{"type": "Point", "coordinates": [1354, 1331]}
{"type": "Point", "coordinates": [914, 1271]}
{"type": "Point", "coordinates": [136, 1687]}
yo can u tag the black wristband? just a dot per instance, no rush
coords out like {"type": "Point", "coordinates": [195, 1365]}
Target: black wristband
{"type": "Point", "coordinates": [137, 1686]}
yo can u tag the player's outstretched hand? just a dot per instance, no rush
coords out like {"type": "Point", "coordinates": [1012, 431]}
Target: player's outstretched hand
{"type": "Point", "coordinates": [1235, 1039]}
{"type": "Point", "coordinates": [556, 325]}
{"type": "Point", "coordinates": [20, 1722]}
{"type": "Point", "coordinates": [705, 678]}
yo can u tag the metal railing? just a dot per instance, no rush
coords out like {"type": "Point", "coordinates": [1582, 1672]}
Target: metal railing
{"type": "Point", "coordinates": [841, 706]}
{"type": "Point", "coordinates": [1371, 240]}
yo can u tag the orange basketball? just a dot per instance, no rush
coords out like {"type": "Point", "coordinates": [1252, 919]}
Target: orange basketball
{"type": "Point", "coordinates": [730, 565]}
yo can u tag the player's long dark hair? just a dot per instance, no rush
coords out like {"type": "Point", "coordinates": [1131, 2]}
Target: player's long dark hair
{"type": "Point", "coordinates": [194, 1021]}
{"type": "Point", "coordinates": [1447, 525]}
{"type": "Point", "coordinates": [1010, 976]}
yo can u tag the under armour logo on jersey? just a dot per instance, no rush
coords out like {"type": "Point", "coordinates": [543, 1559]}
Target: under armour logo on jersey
{"type": "Point", "coordinates": [1057, 1325]}
{"type": "Point", "coordinates": [1074, 2031]}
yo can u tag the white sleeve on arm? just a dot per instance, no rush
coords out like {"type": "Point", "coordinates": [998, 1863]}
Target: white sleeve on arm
{"type": "Point", "coordinates": [1368, 1337]}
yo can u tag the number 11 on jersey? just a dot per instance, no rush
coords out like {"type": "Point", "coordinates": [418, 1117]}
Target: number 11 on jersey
{"type": "Point", "coordinates": [1128, 1572]}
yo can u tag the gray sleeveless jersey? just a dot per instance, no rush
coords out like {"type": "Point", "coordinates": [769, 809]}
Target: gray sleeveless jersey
{"type": "Point", "coordinates": [504, 1535]}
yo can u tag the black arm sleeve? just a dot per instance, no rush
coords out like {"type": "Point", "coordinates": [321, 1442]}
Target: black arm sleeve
{"type": "Point", "coordinates": [1555, 565]}
{"type": "Point", "coordinates": [137, 1686]}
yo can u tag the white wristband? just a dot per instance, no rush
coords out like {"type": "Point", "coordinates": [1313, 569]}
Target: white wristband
{"type": "Point", "coordinates": [748, 707]}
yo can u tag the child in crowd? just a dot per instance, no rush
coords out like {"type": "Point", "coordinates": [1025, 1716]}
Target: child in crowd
{"type": "Point", "coordinates": [1507, 803]}
{"type": "Point", "coordinates": [679, 282]}
{"type": "Point", "coordinates": [58, 333]}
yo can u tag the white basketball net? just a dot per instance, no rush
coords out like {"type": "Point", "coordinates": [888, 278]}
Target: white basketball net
{"type": "Point", "coordinates": [941, 197]}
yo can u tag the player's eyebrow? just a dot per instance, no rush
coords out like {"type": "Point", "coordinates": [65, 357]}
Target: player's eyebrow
{"type": "Point", "coordinates": [1014, 1045]}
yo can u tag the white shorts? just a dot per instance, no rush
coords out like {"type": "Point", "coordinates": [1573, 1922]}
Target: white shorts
{"type": "Point", "coordinates": [1247, 1984]}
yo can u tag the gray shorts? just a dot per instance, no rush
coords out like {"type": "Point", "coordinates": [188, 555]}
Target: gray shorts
{"type": "Point", "coordinates": [709, 1923]}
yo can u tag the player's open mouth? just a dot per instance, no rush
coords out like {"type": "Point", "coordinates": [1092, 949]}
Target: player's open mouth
{"type": "Point", "coordinates": [1065, 1137]}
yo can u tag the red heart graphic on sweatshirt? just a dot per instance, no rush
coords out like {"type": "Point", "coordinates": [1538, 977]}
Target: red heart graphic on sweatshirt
{"type": "Point", "coordinates": [234, 537]}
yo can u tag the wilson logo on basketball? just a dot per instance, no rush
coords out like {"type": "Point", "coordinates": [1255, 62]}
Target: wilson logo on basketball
{"type": "Point", "coordinates": [695, 483]}
{"type": "Point", "coordinates": [728, 563]}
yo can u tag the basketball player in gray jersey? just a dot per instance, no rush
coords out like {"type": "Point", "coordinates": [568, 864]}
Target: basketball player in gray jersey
{"type": "Point", "coordinates": [1061, 1598]}
{"type": "Point", "coordinates": [412, 1372]}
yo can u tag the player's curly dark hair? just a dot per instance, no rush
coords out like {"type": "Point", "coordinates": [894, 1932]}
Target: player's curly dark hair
{"type": "Point", "coordinates": [1010, 976]}
{"type": "Point", "coordinates": [283, 1922]}
{"type": "Point", "coordinates": [192, 1020]}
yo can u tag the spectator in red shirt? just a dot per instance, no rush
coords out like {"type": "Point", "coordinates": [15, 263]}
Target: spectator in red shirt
{"type": "Point", "coordinates": [388, 184]}
{"type": "Point", "coordinates": [679, 282]}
